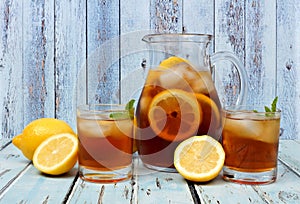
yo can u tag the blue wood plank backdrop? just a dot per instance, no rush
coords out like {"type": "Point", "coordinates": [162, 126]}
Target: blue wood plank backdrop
{"type": "Point", "coordinates": [49, 52]}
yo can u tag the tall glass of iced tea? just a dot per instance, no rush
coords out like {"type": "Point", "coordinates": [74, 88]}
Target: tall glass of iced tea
{"type": "Point", "coordinates": [105, 134]}
{"type": "Point", "coordinates": [250, 139]}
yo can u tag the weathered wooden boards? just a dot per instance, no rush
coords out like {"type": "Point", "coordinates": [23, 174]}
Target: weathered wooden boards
{"type": "Point", "coordinates": [20, 182]}
{"type": "Point", "coordinates": [49, 53]}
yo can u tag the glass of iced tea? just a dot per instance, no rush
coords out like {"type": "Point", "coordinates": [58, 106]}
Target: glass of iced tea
{"type": "Point", "coordinates": [105, 134]}
{"type": "Point", "coordinates": [250, 139]}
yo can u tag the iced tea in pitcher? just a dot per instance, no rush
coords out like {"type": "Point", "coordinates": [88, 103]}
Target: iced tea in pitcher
{"type": "Point", "coordinates": [179, 98]}
{"type": "Point", "coordinates": [177, 102]}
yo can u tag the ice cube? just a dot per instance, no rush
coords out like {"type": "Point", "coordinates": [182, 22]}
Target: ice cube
{"type": "Point", "coordinates": [175, 78]}
{"type": "Point", "coordinates": [259, 130]}
{"type": "Point", "coordinates": [105, 127]}
{"type": "Point", "coordinates": [123, 127]}
{"type": "Point", "coordinates": [202, 83]}
{"type": "Point", "coordinates": [89, 128]}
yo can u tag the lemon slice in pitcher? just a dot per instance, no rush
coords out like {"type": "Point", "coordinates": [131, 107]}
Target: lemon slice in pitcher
{"type": "Point", "coordinates": [211, 113]}
{"type": "Point", "coordinates": [174, 114]}
{"type": "Point", "coordinates": [171, 61]}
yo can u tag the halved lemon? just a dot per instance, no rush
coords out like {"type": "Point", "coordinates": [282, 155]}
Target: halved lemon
{"type": "Point", "coordinates": [174, 114]}
{"type": "Point", "coordinates": [171, 61]}
{"type": "Point", "coordinates": [57, 154]}
{"type": "Point", "coordinates": [211, 113]}
{"type": "Point", "coordinates": [199, 158]}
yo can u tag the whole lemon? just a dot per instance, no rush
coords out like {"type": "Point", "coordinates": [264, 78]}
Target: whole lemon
{"type": "Point", "coordinates": [36, 132]}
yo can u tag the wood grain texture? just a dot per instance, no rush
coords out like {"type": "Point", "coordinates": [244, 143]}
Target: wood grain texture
{"type": "Point", "coordinates": [288, 61]}
{"type": "Point", "coordinates": [261, 51]}
{"type": "Point", "coordinates": [229, 36]}
{"type": "Point", "coordinates": [22, 175]}
{"type": "Point", "coordinates": [197, 16]}
{"type": "Point", "coordinates": [22, 183]}
{"type": "Point", "coordinates": [133, 55]}
{"type": "Point", "coordinates": [166, 16]}
{"type": "Point", "coordinates": [38, 64]}
{"type": "Point", "coordinates": [11, 93]}
{"type": "Point", "coordinates": [103, 51]}
{"type": "Point", "coordinates": [45, 44]}
{"type": "Point", "coordinates": [70, 53]}
{"type": "Point", "coordinates": [152, 185]}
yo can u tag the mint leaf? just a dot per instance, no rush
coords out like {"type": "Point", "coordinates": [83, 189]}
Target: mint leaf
{"type": "Point", "coordinates": [129, 107]}
{"type": "Point", "coordinates": [267, 109]}
{"type": "Point", "coordinates": [118, 116]}
{"type": "Point", "coordinates": [274, 103]}
{"type": "Point", "coordinates": [270, 111]}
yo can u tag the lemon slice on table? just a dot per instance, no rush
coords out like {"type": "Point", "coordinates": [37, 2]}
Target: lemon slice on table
{"type": "Point", "coordinates": [57, 154]}
{"type": "Point", "coordinates": [174, 114]}
{"type": "Point", "coordinates": [171, 61]}
{"type": "Point", "coordinates": [199, 158]}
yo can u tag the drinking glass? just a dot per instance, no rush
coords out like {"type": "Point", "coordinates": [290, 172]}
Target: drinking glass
{"type": "Point", "coordinates": [250, 139]}
{"type": "Point", "coordinates": [105, 134]}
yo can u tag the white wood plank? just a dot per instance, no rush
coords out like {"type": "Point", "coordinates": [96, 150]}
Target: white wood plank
{"type": "Point", "coordinates": [220, 191]}
{"type": "Point", "coordinates": [38, 63]}
{"type": "Point", "coordinates": [288, 59]}
{"type": "Point", "coordinates": [198, 16]}
{"type": "Point", "coordinates": [159, 187]}
{"type": "Point", "coordinates": [135, 23]}
{"type": "Point", "coordinates": [11, 98]}
{"type": "Point", "coordinates": [146, 186]}
{"type": "Point", "coordinates": [134, 55]}
{"type": "Point", "coordinates": [289, 154]}
{"type": "Point", "coordinates": [86, 192]}
{"type": "Point", "coordinates": [37, 188]}
{"type": "Point", "coordinates": [70, 53]}
{"type": "Point", "coordinates": [21, 182]}
{"type": "Point", "coordinates": [285, 190]}
{"type": "Point", "coordinates": [12, 163]}
{"type": "Point", "coordinates": [103, 51]}
{"type": "Point", "coordinates": [229, 28]}
{"type": "Point", "coordinates": [261, 50]}
{"type": "Point", "coordinates": [166, 16]}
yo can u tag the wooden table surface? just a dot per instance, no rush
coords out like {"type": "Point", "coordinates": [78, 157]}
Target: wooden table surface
{"type": "Point", "coordinates": [20, 182]}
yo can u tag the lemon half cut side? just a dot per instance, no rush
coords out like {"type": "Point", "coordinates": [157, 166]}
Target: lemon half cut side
{"type": "Point", "coordinates": [57, 154]}
{"type": "Point", "coordinates": [199, 158]}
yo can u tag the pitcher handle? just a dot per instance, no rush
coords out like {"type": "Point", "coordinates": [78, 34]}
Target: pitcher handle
{"type": "Point", "coordinates": [225, 55]}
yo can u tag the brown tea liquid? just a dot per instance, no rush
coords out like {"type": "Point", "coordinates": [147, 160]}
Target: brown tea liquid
{"type": "Point", "coordinates": [102, 146]}
{"type": "Point", "coordinates": [153, 149]}
{"type": "Point", "coordinates": [251, 145]}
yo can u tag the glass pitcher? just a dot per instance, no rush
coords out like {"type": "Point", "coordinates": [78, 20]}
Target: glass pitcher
{"type": "Point", "coordinates": [179, 98]}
